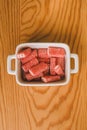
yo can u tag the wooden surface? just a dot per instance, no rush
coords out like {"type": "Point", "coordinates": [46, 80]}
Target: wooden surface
{"type": "Point", "coordinates": [45, 108]}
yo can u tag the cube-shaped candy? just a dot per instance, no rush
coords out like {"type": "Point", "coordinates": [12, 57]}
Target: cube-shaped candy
{"type": "Point", "coordinates": [24, 53]}
{"type": "Point", "coordinates": [59, 71]}
{"type": "Point", "coordinates": [42, 53]}
{"type": "Point", "coordinates": [50, 78]}
{"type": "Point", "coordinates": [52, 66]}
{"type": "Point", "coordinates": [30, 57]}
{"type": "Point", "coordinates": [61, 62]}
{"type": "Point", "coordinates": [36, 70]}
{"type": "Point", "coordinates": [30, 64]}
{"type": "Point", "coordinates": [56, 52]}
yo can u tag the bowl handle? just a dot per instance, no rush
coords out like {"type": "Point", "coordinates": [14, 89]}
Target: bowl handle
{"type": "Point", "coordinates": [75, 57]}
{"type": "Point", "coordinates": [9, 59]}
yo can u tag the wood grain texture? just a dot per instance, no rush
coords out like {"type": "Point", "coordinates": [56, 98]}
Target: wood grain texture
{"type": "Point", "coordinates": [45, 108]}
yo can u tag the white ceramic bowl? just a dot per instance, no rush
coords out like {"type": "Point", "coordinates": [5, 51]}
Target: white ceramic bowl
{"type": "Point", "coordinates": [17, 71]}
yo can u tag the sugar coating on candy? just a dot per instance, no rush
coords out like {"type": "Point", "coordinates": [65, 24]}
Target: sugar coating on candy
{"type": "Point", "coordinates": [24, 53]}
{"type": "Point", "coordinates": [58, 70]}
{"type": "Point", "coordinates": [30, 64]}
{"type": "Point", "coordinates": [30, 77]}
{"type": "Point", "coordinates": [52, 66]}
{"type": "Point", "coordinates": [56, 52]}
{"type": "Point", "coordinates": [50, 78]}
{"type": "Point", "coordinates": [41, 67]}
{"type": "Point", "coordinates": [61, 62]}
{"type": "Point", "coordinates": [30, 57]}
{"type": "Point", "coordinates": [42, 53]}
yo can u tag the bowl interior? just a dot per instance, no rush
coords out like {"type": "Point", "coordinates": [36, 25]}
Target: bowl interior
{"type": "Point", "coordinates": [19, 78]}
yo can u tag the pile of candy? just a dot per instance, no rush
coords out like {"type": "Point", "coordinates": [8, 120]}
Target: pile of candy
{"type": "Point", "coordinates": [45, 64]}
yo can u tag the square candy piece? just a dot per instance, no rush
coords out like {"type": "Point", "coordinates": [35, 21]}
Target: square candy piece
{"type": "Point", "coordinates": [56, 52]}
{"type": "Point", "coordinates": [30, 64]}
{"type": "Point", "coordinates": [61, 62]}
{"type": "Point", "coordinates": [24, 53]}
{"type": "Point", "coordinates": [52, 66]}
{"type": "Point", "coordinates": [42, 53]}
{"type": "Point", "coordinates": [36, 70]}
{"type": "Point", "coordinates": [59, 71]}
{"type": "Point", "coordinates": [30, 57]}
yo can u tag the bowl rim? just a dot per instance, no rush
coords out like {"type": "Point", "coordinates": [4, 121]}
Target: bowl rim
{"type": "Point", "coordinates": [63, 45]}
